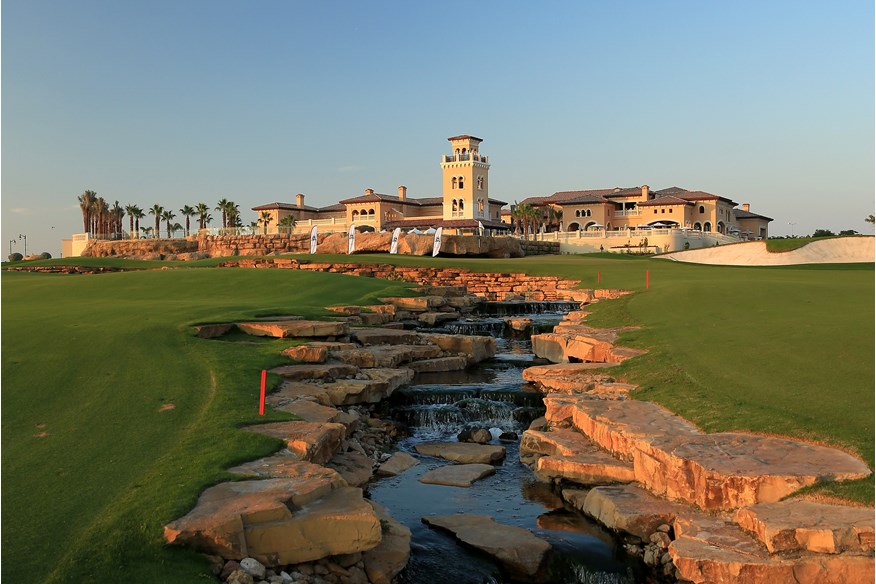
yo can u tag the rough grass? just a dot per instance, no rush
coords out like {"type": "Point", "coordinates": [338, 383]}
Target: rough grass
{"type": "Point", "coordinates": [90, 360]}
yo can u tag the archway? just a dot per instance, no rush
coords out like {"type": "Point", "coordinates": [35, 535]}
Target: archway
{"type": "Point", "coordinates": [707, 227]}
{"type": "Point", "coordinates": [573, 226]}
{"type": "Point", "coordinates": [364, 228]}
{"type": "Point", "coordinates": [720, 227]}
{"type": "Point", "coordinates": [697, 226]}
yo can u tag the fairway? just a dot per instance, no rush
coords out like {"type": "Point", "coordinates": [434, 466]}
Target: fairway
{"type": "Point", "coordinates": [93, 468]}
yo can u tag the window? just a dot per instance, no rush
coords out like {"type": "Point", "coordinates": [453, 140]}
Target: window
{"type": "Point", "coordinates": [480, 183]}
{"type": "Point", "coordinates": [670, 209]}
{"type": "Point", "coordinates": [588, 212]}
{"type": "Point", "coordinates": [455, 205]}
{"type": "Point", "coordinates": [355, 214]}
{"type": "Point", "coordinates": [461, 205]}
{"type": "Point", "coordinates": [577, 212]}
{"type": "Point", "coordinates": [702, 209]}
{"type": "Point", "coordinates": [453, 183]}
{"type": "Point", "coordinates": [460, 184]}
{"type": "Point", "coordinates": [663, 211]}
{"type": "Point", "coordinates": [707, 227]}
{"type": "Point", "coordinates": [480, 206]}
{"type": "Point", "coordinates": [371, 211]}
{"type": "Point", "coordinates": [697, 226]}
{"type": "Point", "coordinates": [655, 211]}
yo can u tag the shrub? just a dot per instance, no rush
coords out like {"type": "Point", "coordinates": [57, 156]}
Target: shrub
{"type": "Point", "coordinates": [45, 256]}
{"type": "Point", "coordinates": [15, 257]}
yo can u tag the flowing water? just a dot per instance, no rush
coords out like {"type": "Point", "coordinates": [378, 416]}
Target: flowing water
{"type": "Point", "coordinates": [492, 394]}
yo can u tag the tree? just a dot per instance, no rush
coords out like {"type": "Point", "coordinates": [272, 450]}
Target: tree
{"type": "Point", "coordinates": [223, 206]}
{"type": "Point", "coordinates": [116, 215]}
{"type": "Point", "coordinates": [870, 219]}
{"type": "Point", "coordinates": [86, 204]}
{"type": "Point", "coordinates": [101, 217]}
{"type": "Point", "coordinates": [188, 212]}
{"type": "Point", "coordinates": [175, 227]}
{"type": "Point", "coordinates": [132, 210]}
{"type": "Point", "coordinates": [253, 227]}
{"type": "Point", "coordinates": [203, 212]}
{"type": "Point", "coordinates": [147, 231]}
{"type": "Point", "coordinates": [157, 210]}
{"type": "Point", "coordinates": [849, 232]}
{"type": "Point", "coordinates": [168, 216]}
{"type": "Point", "coordinates": [823, 233]}
{"type": "Point", "coordinates": [233, 213]}
{"type": "Point", "coordinates": [265, 218]}
{"type": "Point", "coordinates": [138, 214]}
{"type": "Point", "coordinates": [287, 224]}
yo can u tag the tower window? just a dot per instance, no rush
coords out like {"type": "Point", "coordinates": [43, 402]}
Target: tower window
{"type": "Point", "coordinates": [702, 209]}
{"type": "Point", "coordinates": [461, 205]}
{"type": "Point", "coordinates": [455, 205]}
{"type": "Point", "coordinates": [577, 212]}
{"type": "Point", "coordinates": [461, 180]}
{"type": "Point", "coordinates": [453, 183]}
{"type": "Point", "coordinates": [480, 183]}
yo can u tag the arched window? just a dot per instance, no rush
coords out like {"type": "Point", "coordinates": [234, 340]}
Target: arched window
{"type": "Point", "coordinates": [481, 206]}
{"type": "Point", "coordinates": [588, 212]}
{"type": "Point", "coordinates": [702, 209]}
{"type": "Point", "coordinates": [455, 205]}
{"type": "Point", "coordinates": [355, 214]}
{"type": "Point", "coordinates": [577, 212]}
{"type": "Point", "coordinates": [371, 211]}
{"type": "Point", "coordinates": [697, 226]}
{"type": "Point", "coordinates": [461, 205]}
{"type": "Point", "coordinates": [480, 183]}
{"type": "Point", "coordinates": [453, 183]}
{"type": "Point", "coordinates": [461, 180]}
{"type": "Point", "coordinates": [463, 151]}
{"type": "Point", "coordinates": [707, 227]}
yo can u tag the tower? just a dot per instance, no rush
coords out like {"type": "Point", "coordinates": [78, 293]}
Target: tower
{"type": "Point", "coordinates": [465, 180]}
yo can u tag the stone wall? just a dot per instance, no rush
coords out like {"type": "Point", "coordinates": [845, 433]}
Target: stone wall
{"type": "Point", "coordinates": [488, 285]}
{"type": "Point", "coordinates": [531, 248]}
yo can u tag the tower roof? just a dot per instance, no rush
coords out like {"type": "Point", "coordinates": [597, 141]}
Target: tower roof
{"type": "Point", "coordinates": [464, 137]}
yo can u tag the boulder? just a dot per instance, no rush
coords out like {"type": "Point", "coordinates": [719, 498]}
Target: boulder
{"type": "Point", "coordinates": [458, 475]}
{"type": "Point", "coordinates": [285, 329]}
{"type": "Point", "coordinates": [306, 409]}
{"type": "Point", "coordinates": [624, 508]}
{"type": "Point", "coordinates": [517, 549]}
{"type": "Point", "coordinates": [311, 481]}
{"type": "Point", "coordinates": [384, 336]}
{"type": "Point", "coordinates": [310, 441]}
{"type": "Point", "coordinates": [440, 364]}
{"type": "Point", "coordinates": [353, 466]}
{"type": "Point", "coordinates": [211, 331]}
{"type": "Point", "coordinates": [307, 353]}
{"type": "Point", "coordinates": [793, 525]}
{"type": "Point", "coordinates": [261, 520]}
{"type": "Point", "coordinates": [416, 303]}
{"type": "Point", "coordinates": [476, 435]}
{"type": "Point", "coordinates": [566, 454]}
{"type": "Point", "coordinates": [384, 562]}
{"type": "Point", "coordinates": [461, 452]}
{"type": "Point", "coordinates": [477, 246]}
{"type": "Point", "coordinates": [315, 371]}
{"type": "Point", "coordinates": [476, 348]}
{"type": "Point", "coordinates": [385, 355]}
{"type": "Point", "coordinates": [397, 464]}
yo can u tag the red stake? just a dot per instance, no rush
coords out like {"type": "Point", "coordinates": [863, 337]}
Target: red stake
{"type": "Point", "coordinates": [598, 277]}
{"type": "Point", "coordinates": [647, 279]}
{"type": "Point", "coordinates": [262, 394]}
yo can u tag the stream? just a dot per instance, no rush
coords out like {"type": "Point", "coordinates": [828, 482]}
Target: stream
{"type": "Point", "coordinates": [492, 394]}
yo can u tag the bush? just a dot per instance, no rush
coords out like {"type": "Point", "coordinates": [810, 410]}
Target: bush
{"type": "Point", "coordinates": [45, 256]}
{"type": "Point", "coordinates": [15, 257]}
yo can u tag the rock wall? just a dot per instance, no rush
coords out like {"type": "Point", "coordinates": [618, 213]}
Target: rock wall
{"type": "Point", "coordinates": [540, 247]}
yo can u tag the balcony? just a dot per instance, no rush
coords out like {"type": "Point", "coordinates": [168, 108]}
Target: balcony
{"type": "Point", "coordinates": [464, 158]}
{"type": "Point", "coordinates": [628, 213]}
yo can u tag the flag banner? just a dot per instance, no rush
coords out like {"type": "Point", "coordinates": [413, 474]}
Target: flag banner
{"type": "Point", "coordinates": [436, 247]}
{"type": "Point", "coordinates": [393, 247]}
{"type": "Point", "coordinates": [313, 240]}
{"type": "Point", "coordinates": [351, 240]}
{"type": "Point", "coordinates": [480, 228]}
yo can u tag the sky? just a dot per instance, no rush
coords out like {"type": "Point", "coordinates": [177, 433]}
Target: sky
{"type": "Point", "coordinates": [177, 103]}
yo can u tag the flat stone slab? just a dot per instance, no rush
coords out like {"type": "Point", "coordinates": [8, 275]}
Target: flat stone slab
{"type": "Point", "coordinates": [462, 452]}
{"type": "Point", "coordinates": [458, 475]}
{"type": "Point", "coordinates": [383, 336]}
{"type": "Point", "coordinates": [416, 303]}
{"type": "Point", "coordinates": [519, 551]}
{"type": "Point", "coordinates": [327, 371]}
{"type": "Point", "coordinates": [385, 355]}
{"type": "Point", "coordinates": [285, 329]}
{"type": "Point", "coordinates": [624, 508]}
{"type": "Point", "coordinates": [311, 441]}
{"type": "Point", "coordinates": [717, 530]}
{"type": "Point", "coordinates": [307, 410]}
{"type": "Point", "coordinates": [397, 464]}
{"type": "Point", "coordinates": [211, 331]}
{"type": "Point", "coordinates": [577, 378]}
{"type": "Point", "coordinates": [315, 351]}
{"type": "Point", "coordinates": [260, 519]}
{"type": "Point", "coordinates": [389, 558]}
{"type": "Point", "coordinates": [354, 467]}
{"type": "Point", "coordinates": [380, 384]}
{"type": "Point", "coordinates": [700, 562]}
{"type": "Point", "coordinates": [311, 481]}
{"type": "Point", "coordinates": [807, 525]}
{"type": "Point", "coordinates": [454, 363]}
{"type": "Point", "coordinates": [593, 468]}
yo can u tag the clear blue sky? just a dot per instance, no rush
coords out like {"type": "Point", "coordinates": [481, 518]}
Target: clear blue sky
{"type": "Point", "coordinates": [179, 102]}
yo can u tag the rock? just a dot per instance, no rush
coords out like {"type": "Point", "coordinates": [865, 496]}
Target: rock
{"type": "Point", "coordinates": [377, 384]}
{"type": "Point", "coordinates": [566, 454]}
{"type": "Point", "coordinates": [458, 475]}
{"type": "Point", "coordinates": [285, 329]}
{"type": "Point", "coordinates": [351, 310]}
{"type": "Point", "coordinates": [701, 562]}
{"type": "Point", "coordinates": [311, 481]}
{"type": "Point", "coordinates": [793, 525]}
{"type": "Point", "coordinates": [569, 377]}
{"type": "Point", "coordinates": [307, 410]}
{"type": "Point", "coordinates": [259, 519]}
{"type": "Point", "coordinates": [311, 441]}
{"type": "Point", "coordinates": [520, 552]}
{"type": "Point", "coordinates": [327, 371]}
{"type": "Point", "coordinates": [389, 558]}
{"type": "Point", "coordinates": [519, 324]}
{"type": "Point", "coordinates": [353, 466]}
{"type": "Point", "coordinates": [384, 336]}
{"type": "Point", "coordinates": [230, 567]}
{"type": "Point", "coordinates": [397, 464]}
{"type": "Point", "coordinates": [385, 355]}
{"type": "Point", "coordinates": [253, 567]}
{"type": "Point", "coordinates": [307, 353]}
{"type": "Point", "coordinates": [415, 303]}
{"type": "Point", "coordinates": [508, 437]}
{"type": "Point", "coordinates": [211, 331]}
{"type": "Point", "coordinates": [475, 435]}
{"type": "Point", "coordinates": [539, 424]}
{"type": "Point", "coordinates": [453, 363]}
{"type": "Point", "coordinates": [624, 508]}
{"type": "Point", "coordinates": [661, 539]}
{"type": "Point", "coordinates": [239, 577]}
{"type": "Point", "coordinates": [464, 453]}
{"type": "Point", "coordinates": [476, 348]}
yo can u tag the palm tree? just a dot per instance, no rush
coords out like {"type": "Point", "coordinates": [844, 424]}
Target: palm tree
{"type": "Point", "coordinates": [233, 213]}
{"type": "Point", "coordinates": [287, 224]}
{"type": "Point", "coordinates": [203, 211]}
{"type": "Point", "coordinates": [188, 212]}
{"type": "Point", "coordinates": [116, 215]}
{"type": "Point", "coordinates": [101, 215]}
{"type": "Point", "coordinates": [265, 218]}
{"type": "Point", "coordinates": [157, 210]}
{"type": "Point", "coordinates": [138, 214]}
{"type": "Point", "coordinates": [131, 210]}
{"type": "Point", "coordinates": [175, 227]}
{"type": "Point", "coordinates": [223, 206]}
{"type": "Point", "coordinates": [870, 219]}
{"type": "Point", "coordinates": [147, 231]}
{"type": "Point", "coordinates": [253, 227]}
{"type": "Point", "coordinates": [86, 204]}
{"type": "Point", "coordinates": [168, 216]}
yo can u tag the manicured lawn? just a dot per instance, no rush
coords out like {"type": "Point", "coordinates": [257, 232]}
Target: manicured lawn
{"type": "Point", "coordinates": [90, 360]}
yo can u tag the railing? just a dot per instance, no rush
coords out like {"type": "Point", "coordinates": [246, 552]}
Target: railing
{"type": "Point", "coordinates": [463, 158]}
{"type": "Point", "coordinates": [628, 213]}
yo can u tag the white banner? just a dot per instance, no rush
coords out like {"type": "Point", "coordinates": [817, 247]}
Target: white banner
{"type": "Point", "coordinates": [480, 228]}
{"type": "Point", "coordinates": [393, 247]}
{"type": "Point", "coordinates": [351, 240]}
{"type": "Point", "coordinates": [313, 240]}
{"type": "Point", "coordinates": [436, 247]}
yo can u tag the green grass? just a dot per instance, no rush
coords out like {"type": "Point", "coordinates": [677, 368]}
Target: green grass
{"type": "Point", "coordinates": [777, 350]}
{"type": "Point", "coordinates": [791, 243]}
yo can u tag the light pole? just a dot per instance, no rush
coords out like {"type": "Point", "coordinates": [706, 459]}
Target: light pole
{"type": "Point", "coordinates": [11, 243]}
{"type": "Point", "coordinates": [24, 237]}
{"type": "Point", "coordinates": [792, 228]}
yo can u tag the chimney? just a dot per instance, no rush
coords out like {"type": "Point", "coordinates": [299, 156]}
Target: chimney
{"type": "Point", "coordinates": [299, 200]}
{"type": "Point", "coordinates": [645, 192]}
{"type": "Point", "coordinates": [369, 191]}
{"type": "Point", "coordinates": [402, 193]}
{"type": "Point", "coordinates": [746, 206]}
